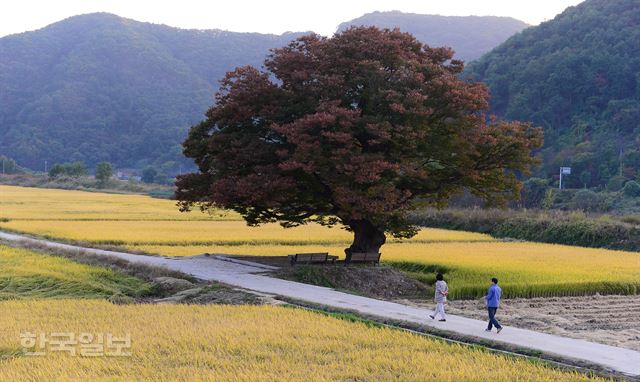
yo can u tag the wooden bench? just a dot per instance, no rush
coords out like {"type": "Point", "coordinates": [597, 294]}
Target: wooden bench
{"type": "Point", "coordinates": [312, 258]}
{"type": "Point", "coordinates": [363, 257]}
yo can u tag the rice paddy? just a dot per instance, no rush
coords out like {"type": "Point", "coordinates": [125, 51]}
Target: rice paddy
{"type": "Point", "coordinates": [468, 259]}
{"type": "Point", "coordinates": [203, 233]}
{"type": "Point", "coordinates": [243, 343]}
{"type": "Point", "coordinates": [26, 203]}
{"type": "Point", "coordinates": [26, 274]}
{"type": "Point", "coordinates": [45, 295]}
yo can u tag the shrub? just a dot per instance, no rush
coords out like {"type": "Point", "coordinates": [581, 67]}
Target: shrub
{"type": "Point", "coordinates": [632, 188]}
{"type": "Point", "coordinates": [534, 192]}
{"type": "Point", "coordinates": [549, 227]}
{"type": "Point", "coordinates": [616, 183]}
{"type": "Point", "coordinates": [149, 175]}
{"type": "Point", "coordinates": [588, 200]}
{"type": "Point", "coordinates": [9, 166]}
{"type": "Point", "coordinates": [104, 171]}
{"type": "Point", "coordinates": [549, 199]}
{"type": "Point", "coordinates": [73, 170]}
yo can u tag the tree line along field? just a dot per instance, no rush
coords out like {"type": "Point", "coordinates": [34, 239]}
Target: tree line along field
{"type": "Point", "coordinates": [468, 260]}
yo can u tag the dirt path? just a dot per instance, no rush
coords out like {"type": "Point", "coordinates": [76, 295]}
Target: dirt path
{"type": "Point", "coordinates": [611, 320]}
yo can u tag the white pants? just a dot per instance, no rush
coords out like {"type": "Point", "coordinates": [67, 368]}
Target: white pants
{"type": "Point", "coordinates": [440, 310]}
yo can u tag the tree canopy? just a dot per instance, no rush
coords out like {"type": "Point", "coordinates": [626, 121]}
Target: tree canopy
{"type": "Point", "coordinates": [352, 130]}
{"type": "Point", "coordinates": [98, 87]}
{"type": "Point", "coordinates": [104, 171]}
{"type": "Point", "coordinates": [9, 166]}
{"type": "Point", "coordinates": [73, 170]}
{"type": "Point", "coordinates": [577, 76]}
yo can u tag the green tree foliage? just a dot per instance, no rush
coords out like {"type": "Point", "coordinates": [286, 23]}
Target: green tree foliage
{"type": "Point", "coordinates": [149, 175]}
{"type": "Point", "coordinates": [352, 130]}
{"type": "Point", "coordinates": [632, 189]}
{"type": "Point", "coordinates": [98, 87]}
{"type": "Point", "coordinates": [57, 170]}
{"type": "Point", "coordinates": [104, 171]}
{"type": "Point", "coordinates": [588, 200]}
{"type": "Point", "coordinates": [9, 166]}
{"type": "Point", "coordinates": [77, 169]}
{"type": "Point", "coordinates": [631, 162]}
{"type": "Point", "coordinates": [533, 192]}
{"type": "Point", "coordinates": [73, 170]}
{"type": "Point", "coordinates": [572, 228]}
{"type": "Point", "coordinates": [578, 77]}
{"type": "Point", "coordinates": [616, 183]}
{"type": "Point", "coordinates": [549, 199]}
{"type": "Point", "coordinates": [162, 178]}
{"type": "Point", "coordinates": [585, 178]}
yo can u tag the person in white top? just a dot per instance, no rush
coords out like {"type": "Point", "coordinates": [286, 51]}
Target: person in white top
{"type": "Point", "coordinates": [442, 290]}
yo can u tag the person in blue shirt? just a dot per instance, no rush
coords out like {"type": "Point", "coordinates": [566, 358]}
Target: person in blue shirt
{"type": "Point", "coordinates": [493, 302]}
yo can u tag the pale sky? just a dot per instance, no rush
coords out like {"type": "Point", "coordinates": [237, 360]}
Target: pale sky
{"type": "Point", "coordinates": [264, 16]}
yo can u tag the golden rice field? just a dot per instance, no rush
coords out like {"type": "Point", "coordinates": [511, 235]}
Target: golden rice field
{"type": "Point", "coordinates": [189, 233]}
{"type": "Point", "coordinates": [26, 274]}
{"type": "Point", "coordinates": [242, 343]}
{"type": "Point", "coordinates": [45, 294]}
{"type": "Point", "coordinates": [524, 269]}
{"type": "Point", "coordinates": [468, 259]}
{"type": "Point", "coordinates": [27, 203]}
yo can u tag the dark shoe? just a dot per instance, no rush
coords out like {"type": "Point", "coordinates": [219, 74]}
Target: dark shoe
{"type": "Point", "coordinates": [499, 330]}
{"type": "Point", "coordinates": [442, 320]}
{"type": "Point", "coordinates": [487, 330]}
{"type": "Point", "coordinates": [432, 317]}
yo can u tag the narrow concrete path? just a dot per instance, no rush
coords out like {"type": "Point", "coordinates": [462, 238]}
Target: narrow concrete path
{"type": "Point", "coordinates": [245, 276]}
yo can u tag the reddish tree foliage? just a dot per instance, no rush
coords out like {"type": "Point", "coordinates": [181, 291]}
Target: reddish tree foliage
{"type": "Point", "coordinates": [352, 130]}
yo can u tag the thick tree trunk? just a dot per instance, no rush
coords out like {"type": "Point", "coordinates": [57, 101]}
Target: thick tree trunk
{"type": "Point", "coordinates": [366, 237]}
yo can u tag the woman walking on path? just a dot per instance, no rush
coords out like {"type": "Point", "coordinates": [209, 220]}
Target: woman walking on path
{"type": "Point", "coordinates": [493, 302]}
{"type": "Point", "coordinates": [442, 290]}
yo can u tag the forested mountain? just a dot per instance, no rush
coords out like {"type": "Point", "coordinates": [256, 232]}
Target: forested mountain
{"type": "Point", "coordinates": [577, 76]}
{"type": "Point", "coordinates": [469, 36]}
{"type": "Point", "coordinates": [100, 87]}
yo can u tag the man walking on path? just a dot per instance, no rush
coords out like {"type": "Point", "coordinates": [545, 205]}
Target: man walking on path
{"type": "Point", "coordinates": [442, 290]}
{"type": "Point", "coordinates": [493, 302]}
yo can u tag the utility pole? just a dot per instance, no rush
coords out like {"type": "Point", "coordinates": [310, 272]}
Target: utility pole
{"type": "Point", "coordinates": [45, 167]}
{"type": "Point", "coordinates": [560, 185]}
{"type": "Point", "coordinates": [2, 165]}
{"type": "Point", "coordinates": [564, 171]}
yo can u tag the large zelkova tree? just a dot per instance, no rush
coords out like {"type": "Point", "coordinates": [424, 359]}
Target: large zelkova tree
{"type": "Point", "coordinates": [357, 130]}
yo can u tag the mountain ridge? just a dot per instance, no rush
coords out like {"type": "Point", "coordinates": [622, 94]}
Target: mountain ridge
{"type": "Point", "coordinates": [99, 87]}
{"type": "Point", "coordinates": [469, 36]}
{"type": "Point", "coordinates": [578, 77]}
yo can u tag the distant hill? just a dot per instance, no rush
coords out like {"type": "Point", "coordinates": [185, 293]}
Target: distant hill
{"type": "Point", "coordinates": [577, 76]}
{"type": "Point", "coordinates": [469, 36]}
{"type": "Point", "coordinates": [100, 87]}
